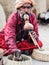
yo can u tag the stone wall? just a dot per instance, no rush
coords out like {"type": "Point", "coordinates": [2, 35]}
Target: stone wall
{"type": "Point", "coordinates": [41, 6]}
{"type": "Point", "coordinates": [47, 4]}
{"type": "Point", "coordinates": [8, 5]}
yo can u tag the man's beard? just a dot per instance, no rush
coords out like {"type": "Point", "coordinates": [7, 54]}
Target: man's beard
{"type": "Point", "coordinates": [24, 16]}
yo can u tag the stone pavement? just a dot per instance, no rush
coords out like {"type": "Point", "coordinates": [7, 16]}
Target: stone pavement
{"type": "Point", "coordinates": [44, 37]}
{"type": "Point", "coordinates": [36, 62]}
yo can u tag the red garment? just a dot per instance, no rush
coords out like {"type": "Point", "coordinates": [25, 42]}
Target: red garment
{"type": "Point", "coordinates": [2, 41]}
{"type": "Point", "coordinates": [11, 30]}
{"type": "Point", "coordinates": [25, 45]}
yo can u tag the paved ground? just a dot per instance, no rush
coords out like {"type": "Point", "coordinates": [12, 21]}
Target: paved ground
{"type": "Point", "coordinates": [44, 36]}
{"type": "Point", "coordinates": [35, 62]}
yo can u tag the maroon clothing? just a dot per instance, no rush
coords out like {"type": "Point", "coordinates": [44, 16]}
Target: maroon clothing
{"type": "Point", "coordinates": [11, 30]}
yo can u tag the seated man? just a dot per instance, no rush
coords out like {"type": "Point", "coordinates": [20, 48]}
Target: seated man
{"type": "Point", "coordinates": [16, 35]}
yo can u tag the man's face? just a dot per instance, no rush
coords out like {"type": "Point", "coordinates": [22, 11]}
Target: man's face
{"type": "Point", "coordinates": [25, 8]}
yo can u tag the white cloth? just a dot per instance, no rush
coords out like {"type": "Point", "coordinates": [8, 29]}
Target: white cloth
{"type": "Point", "coordinates": [42, 15]}
{"type": "Point", "coordinates": [47, 16]}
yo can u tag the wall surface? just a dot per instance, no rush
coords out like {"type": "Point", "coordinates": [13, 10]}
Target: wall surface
{"type": "Point", "coordinates": [41, 6]}
{"type": "Point", "coordinates": [8, 6]}
{"type": "Point", "coordinates": [47, 4]}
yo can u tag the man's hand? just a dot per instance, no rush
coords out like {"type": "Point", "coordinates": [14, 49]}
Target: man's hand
{"type": "Point", "coordinates": [34, 34]}
{"type": "Point", "coordinates": [17, 55]}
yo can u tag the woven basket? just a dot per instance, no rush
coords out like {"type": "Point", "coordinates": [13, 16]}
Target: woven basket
{"type": "Point", "coordinates": [1, 53]}
{"type": "Point", "coordinates": [28, 61]}
{"type": "Point", "coordinates": [40, 55]}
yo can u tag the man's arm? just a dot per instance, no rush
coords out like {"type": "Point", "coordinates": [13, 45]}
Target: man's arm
{"type": "Point", "coordinates": [10, 33]}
